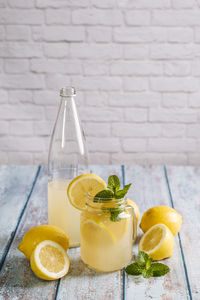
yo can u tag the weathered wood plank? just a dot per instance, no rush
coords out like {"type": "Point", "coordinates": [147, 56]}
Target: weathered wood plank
{"type": "Point", "coordinates": [81, 283]}
{"type": "Point", "coordinates": [184, 184]}
{"type": "Point", "coordinates": [150, 189]}
{"type": "Point", "coordinates": [17, 280]}
{"type": "Point", "coordinates": [15, 185]}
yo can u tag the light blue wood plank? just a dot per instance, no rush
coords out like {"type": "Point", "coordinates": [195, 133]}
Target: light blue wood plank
{"type": "Point", "coordinates": [15, 185]}
{"type": "Point", "coordinates": [150, 189]}
{"type": "Point", "coordinates": [184, 184]}
{"type": "Point", "coordinates": [83, 283]}
{"type": "Point", "coordinates": [17, 279]}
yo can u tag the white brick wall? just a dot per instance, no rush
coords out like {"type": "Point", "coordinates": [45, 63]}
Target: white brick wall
{"type": "Point", "coordinates": [135, 65]}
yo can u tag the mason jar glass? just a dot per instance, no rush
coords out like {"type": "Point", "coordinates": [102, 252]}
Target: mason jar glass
{"type": "Point", "coordinates": [108, 230]}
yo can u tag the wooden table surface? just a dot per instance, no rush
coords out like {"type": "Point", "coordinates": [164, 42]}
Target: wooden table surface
{"type": "Point", "coordinates": [23, 205]}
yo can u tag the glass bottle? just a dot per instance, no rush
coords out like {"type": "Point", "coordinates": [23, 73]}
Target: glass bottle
{"type": "Point", "coordinates": [108, 231]}
{"type": "Point", "coordinates": [67, 159]}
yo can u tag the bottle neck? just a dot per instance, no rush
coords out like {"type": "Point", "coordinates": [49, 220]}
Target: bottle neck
{"type": "Point", "coordinates": [67, 98]}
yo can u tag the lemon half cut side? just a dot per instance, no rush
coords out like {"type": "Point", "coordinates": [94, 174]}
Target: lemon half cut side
{"type": "Point", "coordinates": [49, 261]}
{"type": "Point", "coordinates": [157, 242]}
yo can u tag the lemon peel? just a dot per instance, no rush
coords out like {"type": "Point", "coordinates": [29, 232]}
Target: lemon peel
{"type": "Point", "coordinates": [40, 233]}
{"type": "Point", "coordinates": [157, 242]}
{"type": "Point", "coordinates": [49, 261]}
{"type": "Point", "coordinates": [164, 215]}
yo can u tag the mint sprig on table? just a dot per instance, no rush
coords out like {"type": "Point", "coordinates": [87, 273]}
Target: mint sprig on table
{"type": "Point", "coordinates": [113, 191]}
{"type": "Point", "coordinates": [146, 268]}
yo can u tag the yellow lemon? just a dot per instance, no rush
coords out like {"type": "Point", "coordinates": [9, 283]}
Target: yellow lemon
{"type": "Point", "coordinates": [94, 231]}
{"type": "Point", "coordinates": [135, 207]}
{"type": "Point", "coordinates": [81, 185]}
{"type": "Point", "coordinates": [161, 214]}
{"type": "Point", "coordinates": [157, 242]}
{"type": "Point", "coordinates": [40, 233]}
{"type": "Point", "coordinates": [49, 261]}
{"type": "Point", "coordinates": [100, 229]}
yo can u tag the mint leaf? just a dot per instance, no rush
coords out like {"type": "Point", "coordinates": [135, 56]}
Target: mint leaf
{"type": "Point", "coordinates": [159, 269]}
{"type": "Point", "coordinates": [113, 183]}
{"type": "Point", "coordinates": [142, 258]}
{"type": "Point", "coordinates": [121, 193]}
{"type": "Point", "coordinates": [148, 263]}
{"type": "Point", "coordinates": [134, 269]}
{"type": "Point", "coordinates": [146, 268]}
{"type": "Point", "coordinates": [147, 273]}
{"type": "Point", "coordinates": [103, 195]}
{"type": "Point", "coordinates": [127, 187]}
{"type": "Point", "coordinates": [114, 213]}
{"type": "Point", "coordinates": [112, 192]}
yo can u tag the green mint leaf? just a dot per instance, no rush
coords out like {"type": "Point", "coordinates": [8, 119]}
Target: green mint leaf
{"type": "Point", "coordinates": [127, 187]}
{"type": "Point", "coordinates": [103, 195]}
{"type": "Point", "coordinates": [114, 216]}
{"type": "Point", "coordinates": [159, 269]}
{"type": "Point", "coordinates": [113, 183]}
{"type": "Point", "coordinates": [142, 258]}
{"type": "Point", "coordinates": [134, 269]}
{"type": "Point", "coordinates": [114, 213]}
{"type": "Point", "coordinates": [147, 273]}
{"type": "Point", "coordinates": [121, 193]}
{"type": "Point", "coordinates": [148, 263]}
{"type": "Point", "coordinates": [146, 268]}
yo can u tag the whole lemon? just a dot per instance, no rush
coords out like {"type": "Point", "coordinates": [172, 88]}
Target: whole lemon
{"type": "Point", "coordinates": [40, 233]}
{"type": "Point", "coordinates": [135, 207]}
{"type": "Point", "coordinates": [161, 214]}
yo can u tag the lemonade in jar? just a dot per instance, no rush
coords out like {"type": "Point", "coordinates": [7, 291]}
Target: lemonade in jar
{"type": "Point", "coordinates": [108, 224]}
{"type": "Point", "coordinates": [107, 235]}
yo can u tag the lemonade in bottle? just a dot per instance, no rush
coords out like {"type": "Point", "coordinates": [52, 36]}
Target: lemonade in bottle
{"type": "Point", "coordinates": [60, 211]}
{"type": "Point", "coordinates": [67, 159]}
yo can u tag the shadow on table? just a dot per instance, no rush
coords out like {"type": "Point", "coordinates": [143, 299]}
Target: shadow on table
{"type": "Point", "coordinates": [139, 235]}
{"type": "Point", "coordinates": [16, 273]}
{"type": "Point", "coordinates": [79, 269]}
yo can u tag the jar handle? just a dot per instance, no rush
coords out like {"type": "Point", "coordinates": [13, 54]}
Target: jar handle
{"type": "Point", "coordinates": [134, 222]}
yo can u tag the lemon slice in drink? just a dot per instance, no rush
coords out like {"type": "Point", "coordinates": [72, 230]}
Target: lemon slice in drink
{"type": "Point", "coordinates": [96, 232]}
{"type": "Point", "coordinates": [100, 229]}
{"type": "Point", "coordinates": [81, 185]}
{"type": "Point", "coordinates": [49, 261]}
{"type": "Point", "coordinates": [119, 228]}
{"type": "Point", "coordinates": [157, 242]}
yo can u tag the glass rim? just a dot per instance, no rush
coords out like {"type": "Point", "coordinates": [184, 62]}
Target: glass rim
{"type": "Point", "coordinates": [104, 200]}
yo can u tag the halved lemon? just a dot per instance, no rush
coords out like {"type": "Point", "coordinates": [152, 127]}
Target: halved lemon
{"type": "Point", "coordinates": [157, 242]}
{"type": "Point", "coordinates": [81, 185]}
{"type": "Point", "coordinates": [95, 232]}
{"type": "Point", "coordinates": [49, 261]}
{"type": "Point", "coordinates": [40, 233]}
